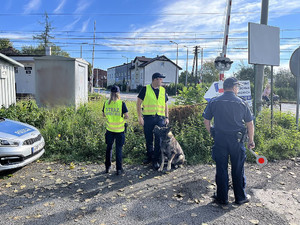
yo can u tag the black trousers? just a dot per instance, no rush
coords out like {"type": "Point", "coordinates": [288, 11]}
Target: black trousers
{"type": "Point", "coordinates": [226, 146]}
{"type": "Point", "coordinates": [110, 137]}
{"type": "Point", "coordinates": [149, 124]}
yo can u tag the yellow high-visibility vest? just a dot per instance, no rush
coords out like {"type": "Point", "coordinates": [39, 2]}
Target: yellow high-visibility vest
{"type": "Point", "coordinates": [113, 113]}
{"type": "Point", "coordinates": [152, 105]}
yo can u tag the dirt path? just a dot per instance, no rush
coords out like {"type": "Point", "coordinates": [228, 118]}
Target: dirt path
{"type": "Point", "coordinates": [53, 193]}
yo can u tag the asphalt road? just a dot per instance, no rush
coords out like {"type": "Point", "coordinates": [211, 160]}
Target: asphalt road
{"type": "Point", "coordinates": [285, 107]}
{"type": "Point", "coordinates": [54, 193]}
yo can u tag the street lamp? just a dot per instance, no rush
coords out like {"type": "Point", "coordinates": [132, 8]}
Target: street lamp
{"type": "Point", "coordinates": [176, 76]}
{"type": "Point", "coordinates": [127, 88]}
{"type": "Point", "coordinates": [187, 64]}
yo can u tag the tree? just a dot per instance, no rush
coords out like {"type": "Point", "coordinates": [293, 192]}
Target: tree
{"type": "Point", "coordinates": [191, 79]}
{"type": "Point", "coordinates": [247, 73]}
{"type": "Point", "coordinates": [45, 36]}
{"type": "Point", "coordinates": [5, 43]}
{"type": "Point", "coordinates": [6, 47]}
{"type": "Point", "coordinates": [209, 72]}
{"type": "Point", "coordinates": [44, 39]}
{"type": "Point", "coordinates": [40, 50]}
{"type": "Point", "coordinates": [284, 79]}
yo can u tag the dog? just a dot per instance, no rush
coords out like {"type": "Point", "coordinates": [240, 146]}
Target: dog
{"type": "Point", "coordinates": [170, 148]}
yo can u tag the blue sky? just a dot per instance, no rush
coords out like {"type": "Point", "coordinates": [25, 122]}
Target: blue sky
{"type": "Point", "coordinates": [129, 28]}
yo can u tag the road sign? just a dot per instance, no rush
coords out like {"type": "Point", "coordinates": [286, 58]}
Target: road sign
{"type": "Point", "coordinates": [295, 62]}
{"type": "Point", "coordinates": [244, 91]}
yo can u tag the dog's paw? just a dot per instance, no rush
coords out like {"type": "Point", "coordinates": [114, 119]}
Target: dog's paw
{"type": "Point", "coordinates": [169, 168]}
{"type": "Point", "coordinates": [160, 169]}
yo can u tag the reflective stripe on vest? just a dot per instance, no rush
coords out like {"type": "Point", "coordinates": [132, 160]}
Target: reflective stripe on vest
{"type": "Point", "coordinates": [152, 105]}
{"type": "Point", "coordinates": [113, 113]}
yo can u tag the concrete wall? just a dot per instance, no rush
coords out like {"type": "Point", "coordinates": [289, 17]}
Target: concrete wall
{"type": "Point", "coordinates": [25, 78]}
{"type": "Point", "coordinates": [166, 68]}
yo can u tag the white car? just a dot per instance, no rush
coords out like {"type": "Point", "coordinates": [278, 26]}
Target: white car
{"type": "Point", "coordinates": [20, 144]}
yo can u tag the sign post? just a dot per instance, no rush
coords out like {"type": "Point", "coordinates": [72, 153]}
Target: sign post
{"type": "Point", "coordinates": [295, 69]}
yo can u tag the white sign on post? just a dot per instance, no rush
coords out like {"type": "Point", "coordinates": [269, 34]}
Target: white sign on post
{"type": "Point", "coordinates": [244, 91]}
{"type": "Point", "coordinates": [263, 44]}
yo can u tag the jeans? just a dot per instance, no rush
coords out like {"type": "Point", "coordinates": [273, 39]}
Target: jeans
{"type": "Point", "coordinates": [110, 137]}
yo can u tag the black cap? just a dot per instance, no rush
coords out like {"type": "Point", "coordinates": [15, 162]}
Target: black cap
{"type": "Point", "coordinates": [230, 82]}
{"type": "Point", "coordinates": [157, 75]}
{"type": "Point", "coordinates": [115, 89]}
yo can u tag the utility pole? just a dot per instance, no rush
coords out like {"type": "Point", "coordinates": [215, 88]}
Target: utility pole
{"type": "Point", "coordinates": [127, 83]}
{"type": "Point", "coordinates": [195, 62]}
{"type": "Point", "coordinates": [259, 69]}
{"type": "Point", "coordinates": [92, 75]}
{"type": "Point", "coordinates": [201, 70]}
{"type": "Point", "coordinates": [187, 64]}
{"type": "Point", "coordinates": [176, 75]}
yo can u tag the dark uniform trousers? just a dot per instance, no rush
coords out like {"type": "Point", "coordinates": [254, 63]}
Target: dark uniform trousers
{"type": "Point", "coordinates": [110, 137]}
{"type": "Point", "coordinates": [227, 145]}
{"type": "Point", "coordinates": [149, 124]}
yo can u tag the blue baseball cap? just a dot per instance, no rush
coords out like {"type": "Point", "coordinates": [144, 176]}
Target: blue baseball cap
{"type": "Point", "coordinates": [115, 89]}
{"type": "Point", "coordinates": [157, 75]}
{"type": "Point", "coordinates": [230, 82]}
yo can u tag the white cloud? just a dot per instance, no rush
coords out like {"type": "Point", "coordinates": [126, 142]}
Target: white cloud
{"type": "Point", "coordinates": [60, 6]}
{"type": "Point", "coordinates": [202, 22]}
{"type": "Point", "coordinates": [82, 5]}
{"type": "Point", "coordinates": [32, 5]}
{"type": "Point", "coordinates": [85, 25]}
{"type": "Point", "coordinates": [71, 25]}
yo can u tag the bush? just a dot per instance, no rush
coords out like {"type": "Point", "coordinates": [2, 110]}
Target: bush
{"type": "Point", "coordinates": [281, 142]}
{"type": "Point", "coordinates": [78, 135]}
{"type": "Point", "coordinates": [170, 89]}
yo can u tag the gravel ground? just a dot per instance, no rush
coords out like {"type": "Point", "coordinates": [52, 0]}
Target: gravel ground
{"type": "Point", "coordinates": [54, 193]}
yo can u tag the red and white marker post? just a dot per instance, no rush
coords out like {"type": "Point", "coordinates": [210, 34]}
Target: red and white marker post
{"type": "Point", "coordinates": [260, 160]}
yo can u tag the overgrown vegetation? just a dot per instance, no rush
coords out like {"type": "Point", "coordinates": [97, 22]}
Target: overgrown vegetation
{"type": "Point", "coordinates": [78, 135]}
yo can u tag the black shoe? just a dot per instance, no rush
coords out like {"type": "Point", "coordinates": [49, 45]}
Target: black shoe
{"type": "Point", "coordinates": [107, 170]}
{"type": "Point", "coordinates": [120, 172]}
{"type": "Point", "coordinates": [147, 161]}
{"type": "Point", "coordinates": [219, 202]}
{"type": "Point", "coordinates": [247, 199]}
{"type": "Point", "coordinates": [155, 165]}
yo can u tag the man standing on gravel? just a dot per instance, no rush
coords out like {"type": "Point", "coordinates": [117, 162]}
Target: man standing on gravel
{"type": "Point", "coordinates": [154, 99]}
{"type": "Point", "coordinates": [230, 114]}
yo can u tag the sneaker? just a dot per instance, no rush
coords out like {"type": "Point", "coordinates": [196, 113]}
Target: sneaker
{"type": "Point", "coordinates": [219, 202]}
{"type": "Point", "coordinates": [247, 199]}
{"type": "Point", "coordinates": [155, 166]}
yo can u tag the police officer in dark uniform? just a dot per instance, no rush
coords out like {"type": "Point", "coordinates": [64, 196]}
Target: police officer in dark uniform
{"type": "Point", "coordinates": [232, 119]}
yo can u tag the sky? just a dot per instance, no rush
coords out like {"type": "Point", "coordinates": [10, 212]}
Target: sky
{"type": "Point", "coordinates": [125, 29]}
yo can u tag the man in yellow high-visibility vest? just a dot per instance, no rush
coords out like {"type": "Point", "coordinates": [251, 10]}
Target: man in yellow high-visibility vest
{"type": "Point", "coordinates": [152, 109]}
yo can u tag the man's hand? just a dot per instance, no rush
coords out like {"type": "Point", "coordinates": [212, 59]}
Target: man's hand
{"type": "Point", "coordinates": [167, 121]}
{"type": "Point", "coordinates": [141, 120]}
{"type": "Point", "coordinates": [251, 145]}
